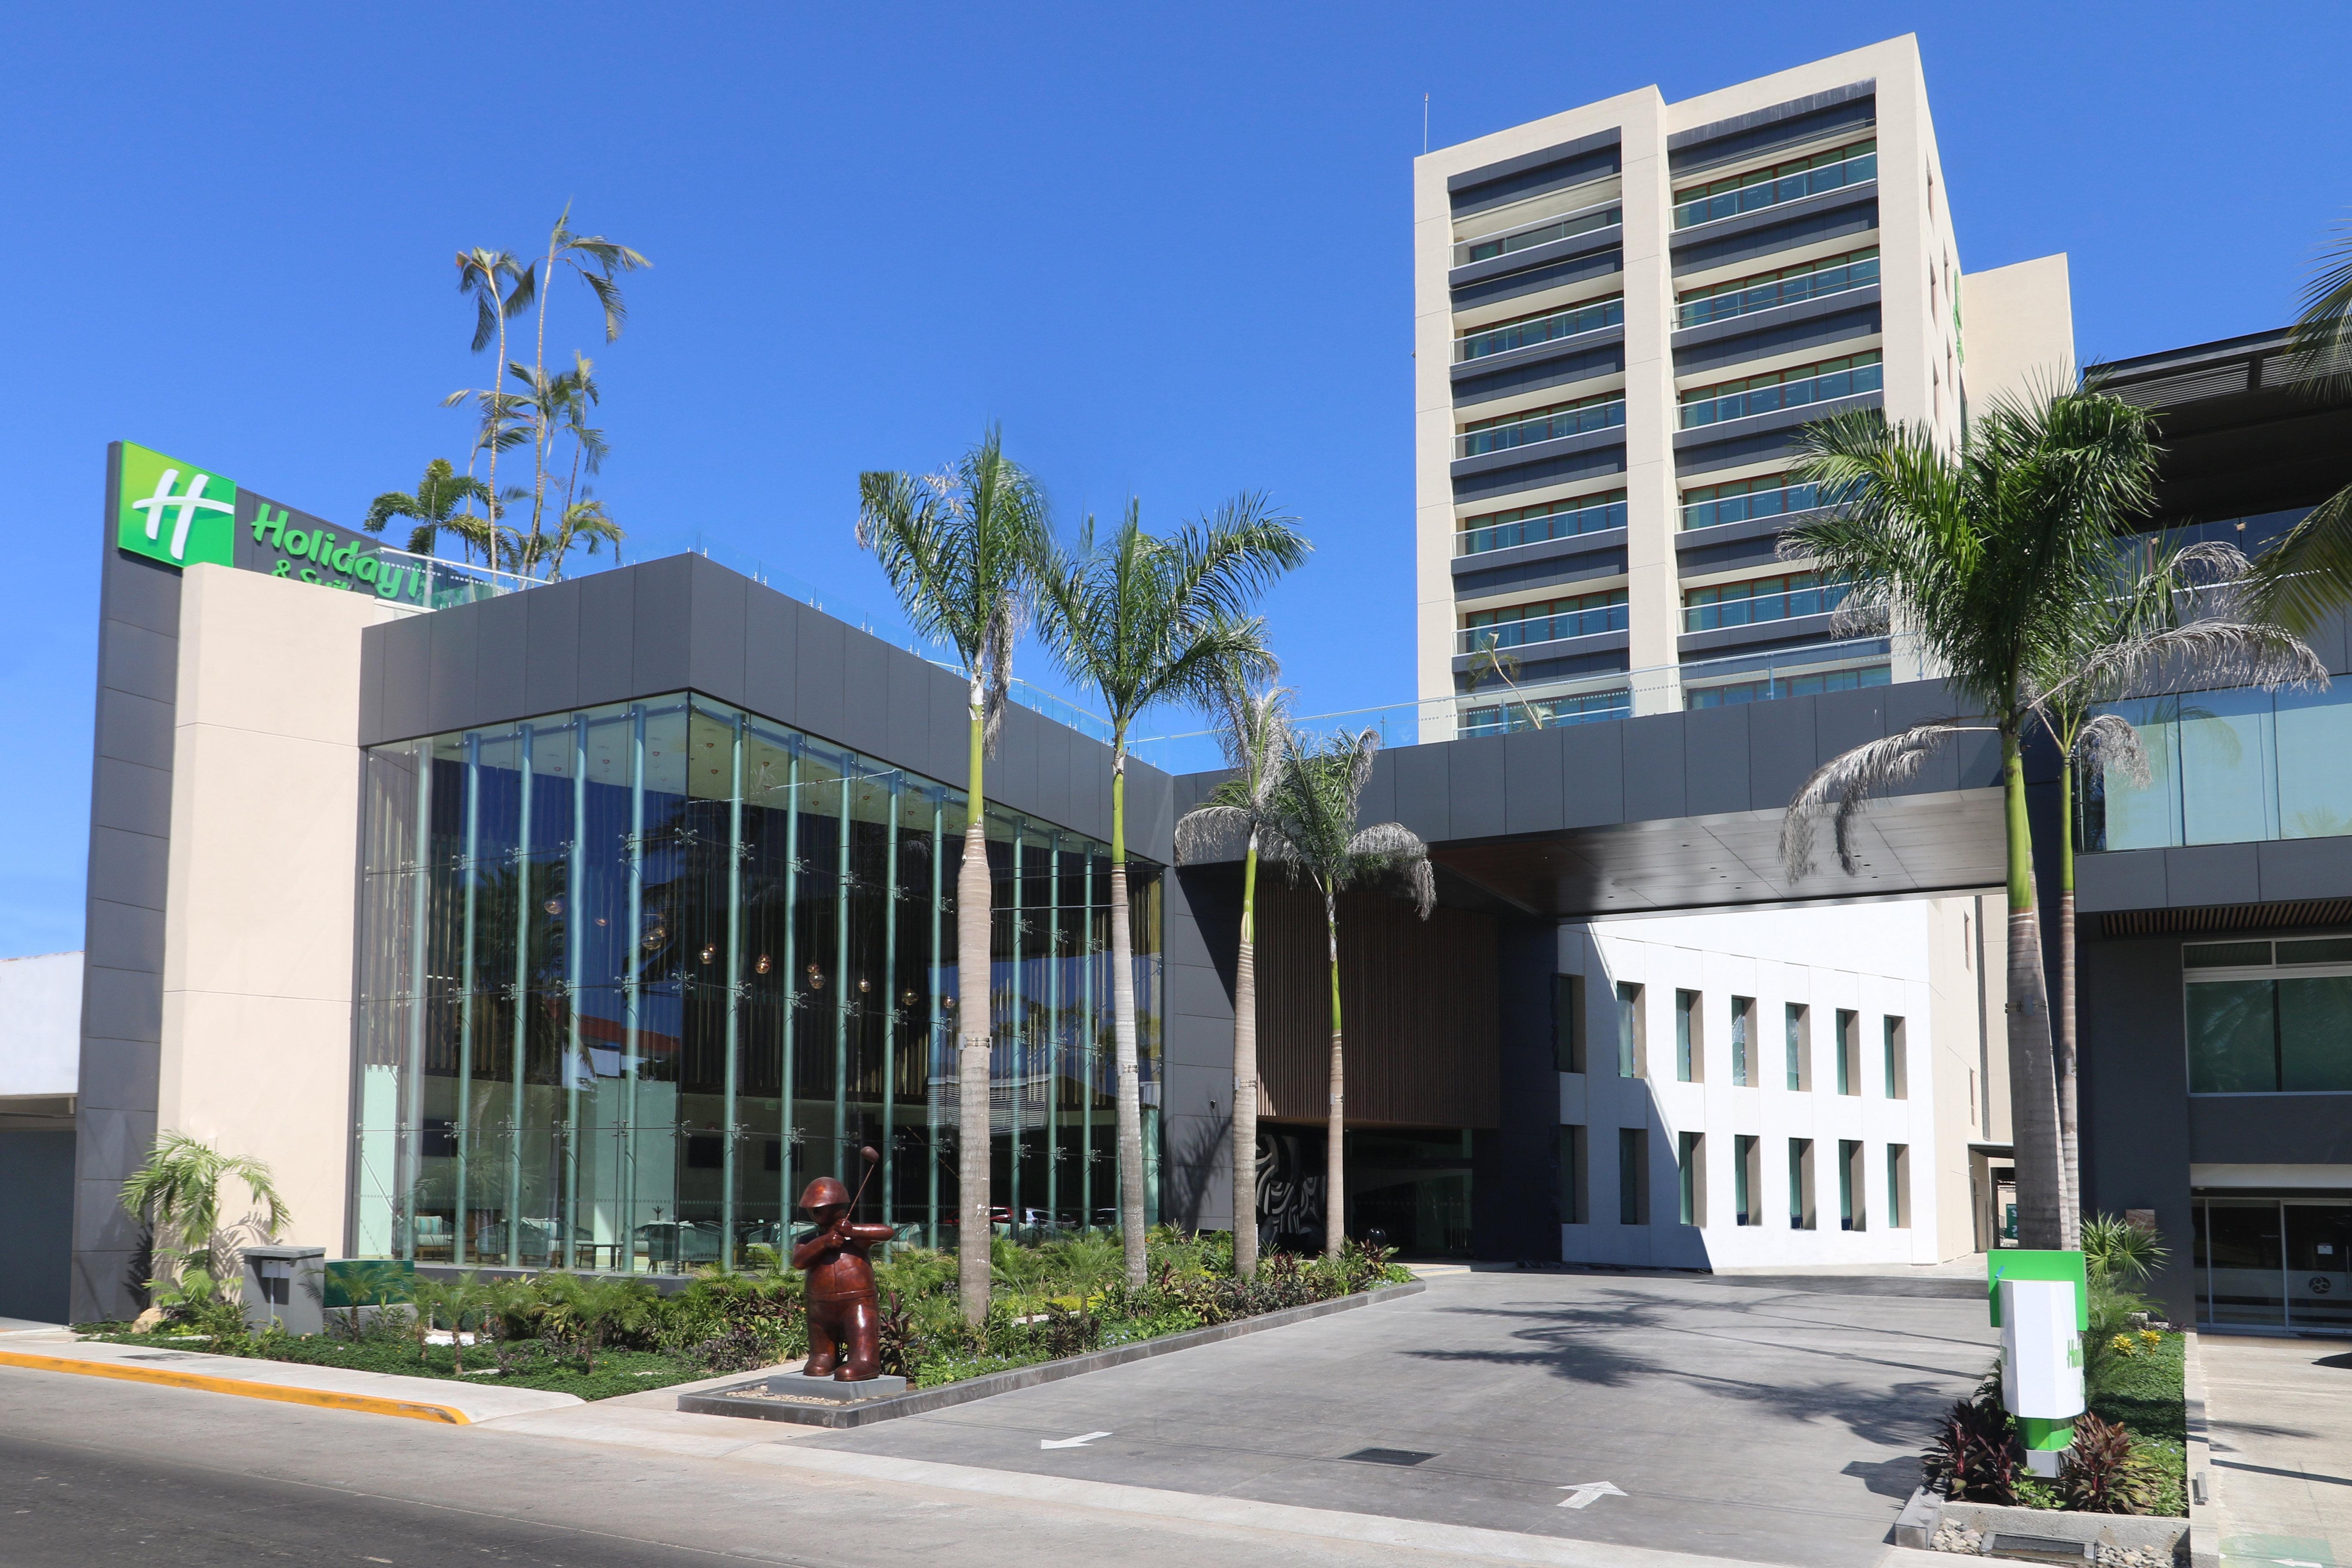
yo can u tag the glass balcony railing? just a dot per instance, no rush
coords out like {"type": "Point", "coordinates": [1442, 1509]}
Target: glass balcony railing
{"type": "Point", "coordinates": [1533, 525]}
{"type": "Point", "coordinates": [1775, 686]}
{"type": "Point", "coordinates": [1510, 715]}
{"type": "Point", "coordinates": [1568, 323]}
{"type": "Point", "coordinates": [1774, 186]}
{"type": "Point", "coordinates": [429, 582]}
{"type": "Point", "coordinates": [1503, 242]}
{"type": "Point", "coordinates": [1546, 425]}
{"type": "Point", "coordinates": [1752, 604]}
{"type": "Point", "coordinates": [1583, 622]}
{"type": "Point", "coordinates": [2229, 767]}
{"type": "Point", "coordinates": [1789, 389]}
{"type": "Point", "coordinates": [1747, 298]}
{"type": "Point", "coordinates": [1717, 504]}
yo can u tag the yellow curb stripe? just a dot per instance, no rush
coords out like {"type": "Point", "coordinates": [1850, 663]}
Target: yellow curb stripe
{"type": "Point", "coordinates": [366, 1404]}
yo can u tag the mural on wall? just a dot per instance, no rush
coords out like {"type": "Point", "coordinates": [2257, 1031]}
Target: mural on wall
{"type": "Point", "coordinates": [1289, 1189]}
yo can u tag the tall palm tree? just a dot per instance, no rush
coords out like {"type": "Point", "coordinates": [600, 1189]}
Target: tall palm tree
{"type": "Point", "coordinates": [2186, 615]}
{"type": "Point", "coordinates": [1314, 834]}
{"type": "Point", "coordinates": [2308, 573]}
{"type": "Point", "coordinates": [500, 285]}
{"type": "Point", "coordinates": [1143, 620]}
{"type": "Point", "coordinates": [1997, 556]}
{"type": "Point", "coordinates": [1255, 733]}
{"type": "Point", "coordinates": [960, 550]}
{"type": "Point", "coordinates": [434, 509]}
{"type": "Point", "coordinates": [595, 260]}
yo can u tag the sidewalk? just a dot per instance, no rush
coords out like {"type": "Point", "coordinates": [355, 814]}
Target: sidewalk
{"type": "Point", "coordinates": [2280, 1415]}
{"type": "Point", "coordinates": [446, 1400]}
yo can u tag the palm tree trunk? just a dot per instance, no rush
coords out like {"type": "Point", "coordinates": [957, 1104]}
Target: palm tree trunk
{"type": "Point", "coordinates": [1122, 1029]}
{"type": "Point", "coordinates": [1335, 1155]}
{"type": "Point", "coordinates": [2033, 1097]}
{"type": "Point", "coordinates": [1245, 1132]}
{"type": "Point", "coordinates": [975, 900]}
{"type": "Point", "coordinates": [539, 396]}
{"type": "Point", "coordinates": [2069, 1217]}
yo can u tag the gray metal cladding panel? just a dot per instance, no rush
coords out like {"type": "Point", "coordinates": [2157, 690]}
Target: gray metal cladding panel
{"type": "Point", "coordinates": [1542, 550]}
{"type": "Point", "coordinates": [120, 1075]}
{"type": "Point", "coordinates": [911, 741]}
{"type": "Point", "coordinates": [1610, 239]}
{"type": "Point", "coordinates": [1781, 753]}
{"type": "Point", "coordinates": [133, 729]}
{"type": "Point", "coordinates": [819, 679]}
{"type": "Point", "coordinates": [1844, 720]}
{"type": "Point", "coordinates": [1609, 656]}
{"type": "Point", "coordinates": [1754, 550]}
{"type": "Point", "coordinates": [1656, 773]}
{"type": "Point", "coordinates": [1195, 991]}
{"type": "Point", "coordinates": [121, 1004]}
{"type": "Point", "coordinates": [1465, 371]}
{"type": "Point", "coordinates": [951, 732]}
{"type": "Point", "coordinates": [1378, 803]}
{"type": "Point", "coordinates": [663, 633]}
{"type": "Point", "coordinates": [1779, 229]}
{"type": "Point", "coordinates": [2212, 874]}
{"type": "Point", "coordinates": [2269, 1130]}
{"type": "Point", "coordinates": [451, 690]}
{"type": "Point", "coordinates": [1013, 771]}
{"type": "Point", "coordinates": [401, 652]}
{"type": "Point", "coordinates": [1815, 332]}
{"type": "Point", "coordinates": [128, 866]}
{"type": "Point", "coordinates": [126, 796]}
{"type": "Point", "coordinates": [1477, 796]}
{"type": "Point", "coordinates": [1569, 466]}
{"type": "Point", "coordinates": [123, 936]}
{"type": "Point", "coordinates": [142, 593]}
{"type": "Point", "coordinates": [1054, 795]}
{"type": "Point", "coordinates": [607, 647]}
{"type": "Point", "coordinates": [1912, 702]}
{"type": "Point", "coordinates": [1694, 446]}
{"type": "Point", "coordinates": [2305, 869]}
{"type": "Point", "coordinates": [2124, 880]}
{"type": "Point", "coordinates": [1151, 822]}
{"type": "Point", "coordinates": [717, 631]}
{"type": "Point", "coordinates": [770, 656]}
{"type": "Point", "coordinates": [502, 654]}
{"type": "Point", "coordinates": [1765, 320]}
{"type": "Point", "coordinates": [1853, 107]}
{"type": "Point", "coordinates": [551, 657]}
{"type": "Point", "coordinates": [1531, 779]}
{"type": "Point", "coordinates": [1562, 568]}
{"type": "Point", "coordinates": [1715, 742]}
{"type": "Point", "coordinates": [1575, 269]}
{"type": "Point", "coordinates": [141, 662]}
{"type": "Point", "coordinates": [1565, 370]}
{"type": "Point", "coordinates": [371, 690]}
{"type": "Point", "coordinates": [865, 695]}
{"type": "Point", "coordinates": [1424, 791]}
{"type": "Point", "coordinates": [1592, 774]}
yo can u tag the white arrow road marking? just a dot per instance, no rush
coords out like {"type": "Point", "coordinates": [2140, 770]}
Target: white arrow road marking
{"type": "Point", "coordinates": [1586, 1492]}
{"type": "Point", "coordinates": [1070, 1442]}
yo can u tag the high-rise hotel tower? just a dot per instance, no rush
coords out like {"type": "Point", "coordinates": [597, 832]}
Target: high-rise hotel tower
{"type": "Point", "coordinates": [1625, 312]}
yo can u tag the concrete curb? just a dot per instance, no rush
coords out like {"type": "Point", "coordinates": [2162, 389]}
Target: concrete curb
{"type": "Point", "coordinates": [2204, 1509]}
{"type": "Point", "coordinates": [719, 1402]}
{"type": "Point", "coordinates": [1925, 1513]}
{"type": "Point", "coordinates": [325, 1399]}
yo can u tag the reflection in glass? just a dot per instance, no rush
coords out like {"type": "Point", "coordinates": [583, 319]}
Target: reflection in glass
{"type": "Point", "coordinates": [2232, 1037]}
{"type": "Point", "coordinates": [2239, 1263]}
{"type": "Point", "coordinates": [2314, 1023]}
{"type": "Point", "coordinates": [630, 976]}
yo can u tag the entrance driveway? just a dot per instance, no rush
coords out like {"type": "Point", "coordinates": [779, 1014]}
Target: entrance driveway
{"type": "Point", "coordinates": [2279, 1414]}
{"type": "Point", "coordinates": [1773, 1420]}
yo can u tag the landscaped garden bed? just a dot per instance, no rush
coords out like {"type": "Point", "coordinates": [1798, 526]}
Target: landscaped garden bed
{"type": "Point", "coordinates": [596, 1337]}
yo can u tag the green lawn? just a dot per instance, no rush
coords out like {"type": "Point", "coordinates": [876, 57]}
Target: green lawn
{"type": "Point", "coordinates": [2147, 1398]}
{"type": "Point", "coordinates": [617, 1371]}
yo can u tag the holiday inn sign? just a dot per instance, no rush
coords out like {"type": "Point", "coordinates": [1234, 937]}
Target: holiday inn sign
{"type": "Point", "coordinates": [184, 514]}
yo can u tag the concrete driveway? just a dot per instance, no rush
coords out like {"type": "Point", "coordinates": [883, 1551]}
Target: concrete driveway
{"type": "Point", "coordinates": [2279, 1414]}
{"type": "Point", "coordinates": [1772, 1420]}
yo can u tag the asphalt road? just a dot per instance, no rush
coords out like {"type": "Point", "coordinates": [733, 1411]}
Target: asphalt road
{"type": "Point", "coordinates": [1769, 1420]}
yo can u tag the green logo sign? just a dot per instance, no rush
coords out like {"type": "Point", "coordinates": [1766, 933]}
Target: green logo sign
{"type": "Point", "coordinates": [173, 512]}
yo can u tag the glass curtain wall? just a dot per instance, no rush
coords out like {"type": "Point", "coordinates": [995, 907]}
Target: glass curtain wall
{"type": "Point", "coordinates": [632, 976]}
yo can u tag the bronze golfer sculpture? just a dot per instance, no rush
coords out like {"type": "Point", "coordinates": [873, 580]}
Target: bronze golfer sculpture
{"type": "Point", "coordinates": [845, 1314]}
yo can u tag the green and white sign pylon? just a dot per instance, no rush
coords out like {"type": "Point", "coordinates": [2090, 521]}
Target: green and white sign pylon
{"type": "Point", "coordinates": [2040, 1302]}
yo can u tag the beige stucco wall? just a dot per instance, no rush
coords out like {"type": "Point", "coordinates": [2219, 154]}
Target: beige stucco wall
{"type": "Point", "coordinates": [258, 971]}
{"type": "Point", "coordinates": [1967, 996]}
{"type": "Point", "coordinates": [2019, 329]}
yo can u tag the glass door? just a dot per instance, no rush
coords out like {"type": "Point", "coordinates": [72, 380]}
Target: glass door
{"type": "Point", "coordinates": [2241, 1263]}
{"type": "Point", "coordinates": [2319, 1266]}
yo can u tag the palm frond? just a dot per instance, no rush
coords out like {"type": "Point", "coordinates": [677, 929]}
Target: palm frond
{"type": "Point", "coordinates": [2322, 341]}
{"type": "Point", "coordinates": [1847, 783]}
{"type": "Point", "coordinates": [2307, 575]}
{"type": "Point", "coordinates": [2109, 742]}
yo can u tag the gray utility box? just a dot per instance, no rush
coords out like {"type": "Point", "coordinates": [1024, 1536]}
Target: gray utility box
{"type": "Point", "coordinates": [286, 1285]}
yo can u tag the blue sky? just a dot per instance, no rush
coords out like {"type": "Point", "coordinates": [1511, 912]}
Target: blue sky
{"type": "Point", "coordinates": [1167, 247]}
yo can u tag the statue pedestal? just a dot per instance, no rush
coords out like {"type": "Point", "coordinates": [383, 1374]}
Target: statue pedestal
{"type": "Point", "coordinates": [801, 1390]}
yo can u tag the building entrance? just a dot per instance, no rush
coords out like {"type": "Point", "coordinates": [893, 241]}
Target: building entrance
{"type": "Point", "coordinates": [2276, 1263]}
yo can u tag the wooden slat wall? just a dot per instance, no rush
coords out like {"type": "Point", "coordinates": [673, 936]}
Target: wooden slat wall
{"type": "Point", "coordinates": [1419, 999]}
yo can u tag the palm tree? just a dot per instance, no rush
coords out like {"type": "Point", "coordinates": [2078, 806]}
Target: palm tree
{"type": "Point", "coordinates": [1998, 557]}
{"type": "Point", "coordinates": [594, 259]}
{"type": "Point", "coordinates": [434, 509]}
{"type": "Point", "coordinates": [501, 285]}
{"type": "Point", "coordinates": [1255, 733]}
{"type": "Point", "coordinates": [1313, 833]}
{"type": "Point", "coordinates": [1490, 658]}
{"type": "Point", "coordinates": [2187, 613]}
{"type": "Point", "coordinates": [1143, 620]}
{"type": "Point", "coordinates": [2308, 573]}
{"type": "Point", "coordinates": [177, 1194]}
{"type": "Point", "coordinates": [959, 549]}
